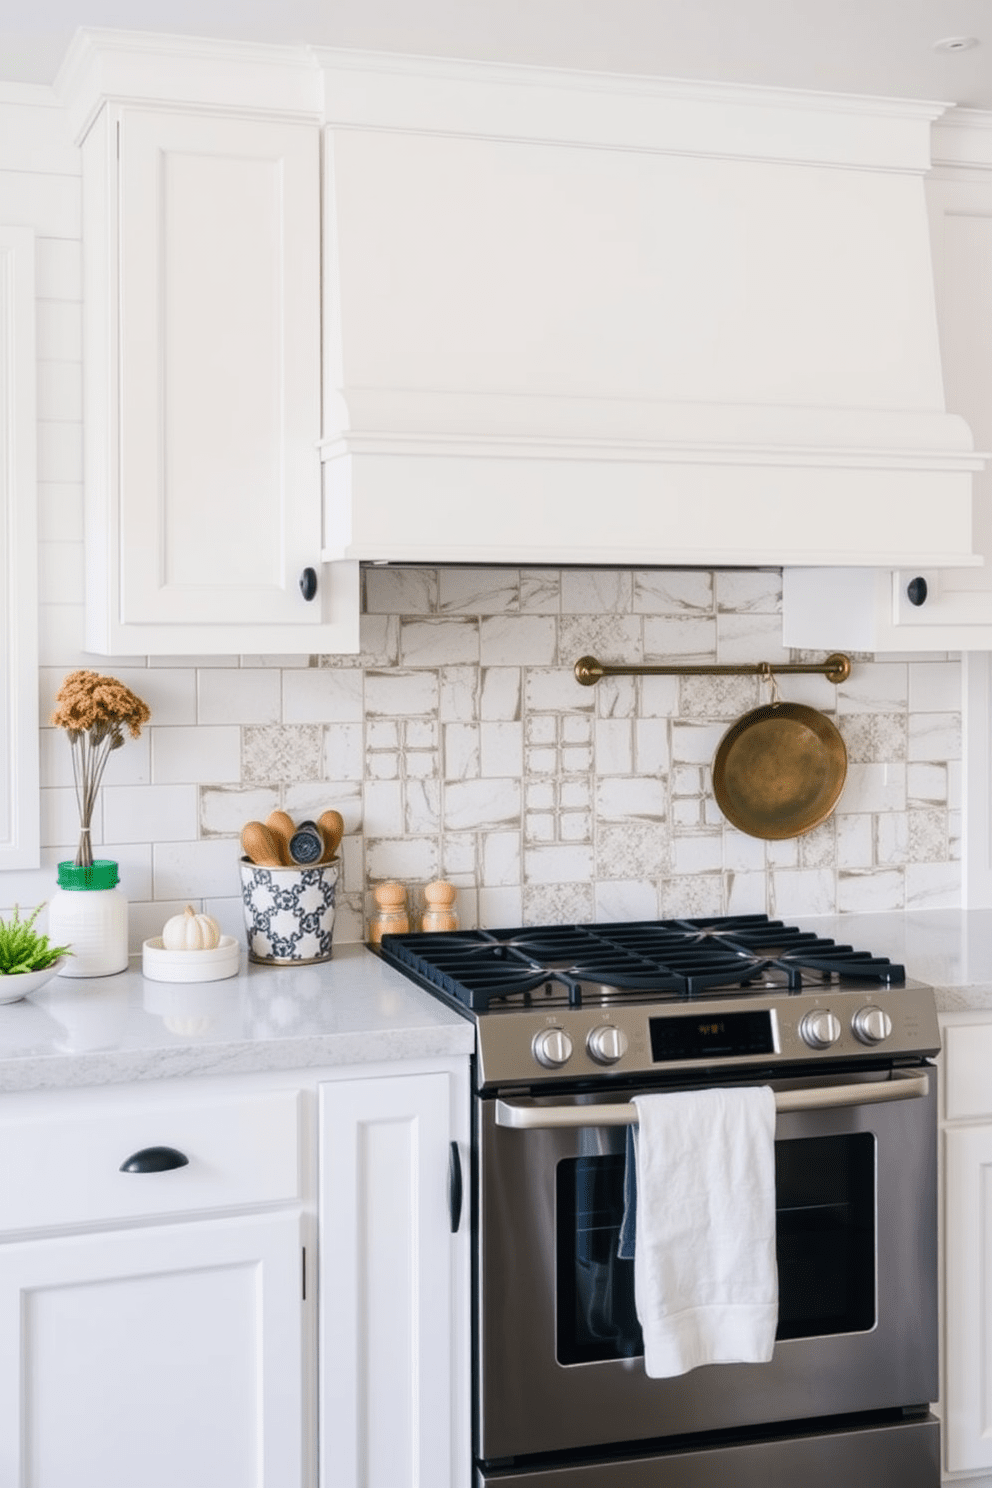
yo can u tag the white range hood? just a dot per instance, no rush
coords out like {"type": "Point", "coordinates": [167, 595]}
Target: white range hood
{"type": "Point", "coordinates": [575, 318]}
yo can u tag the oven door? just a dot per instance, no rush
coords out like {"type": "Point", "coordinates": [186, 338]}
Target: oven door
{"type": "Point", "coordinates": [559, 1349]}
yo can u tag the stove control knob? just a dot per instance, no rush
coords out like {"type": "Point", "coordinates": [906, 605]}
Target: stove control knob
{"type": "Point", "coordinates": [607, 1044]}
{"type": "Point", "coordinates": [552, 1047]}
{"type": "Point", "coordinates": [819, 1029]}
{"type": "Point", "coordinates": [871, 1025]}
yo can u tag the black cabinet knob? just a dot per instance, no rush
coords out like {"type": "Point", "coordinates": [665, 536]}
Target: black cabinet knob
{"type": "Point", "coordinates": [308, 583]}
{"type": "Point", "coordinates": [154, 1160]}
{"type": "Point", "coordinates": [916, 590]}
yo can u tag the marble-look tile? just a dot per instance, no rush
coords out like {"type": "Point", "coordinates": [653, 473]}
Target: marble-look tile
{"type": "Point", "coordinates": [540, 795]}
{"type": "Point", "coordinates": [933, 885]}
{"type": "Point", "coordinates": [502, 908]}
{"type": "Point", "coordinates": [596, 591]}
{"type": "Point", "coordinates": [870, 891]}
{"type": "Point", "coordinates": [614, 747]}
{"type": "Point", "coordinates": [539, 827]}
{"type": "Point", "coordinates": [426, 643]}
{"type": "Point", "coordinates": [934, 736]}
{"type": "Point", "coordinates": [558, 865]}
{"type": "Point", "coordinates": [423, 807]}
{"type": "Point", "coordinates": [421, 764]}
{"type": "Point", "coordinates": [575, 826]}
{"type": "Point", "coordinates": [421, 733]}
{"type": "Point", "coordinates": [891, 838]}
{"type": "Point", "coordinates": [747, 893]}
{"type": "Point", "coordinates": [344, 751]}
{"type": "Point", "coordinates": [379, 643]}
{"type": "Point", "coordinates": [935, 686]}
{"type": "Point", "coordinates": [499, 698]}
{"type": "Point", "coordinates": [818, 848]}
{"type": "Point", "coordinates": [633, 899]}
{"type": "Point", "coordinates": [517, 640]}
{"type": "Point", "coordinates": [501, 862]}
{"type": "Point", "coordinates": [652, 754]}
{"type": "Point", "coordinates": [659, 697]}
{"type": "Point", "coordinates": [881, 688]}
{"type": "Point", "coordinates": [382, 733]}
{"type": "Point", "coordinates": [319, 695]}
{"type": "Point", "coordinates": [383, 814]}
{"type": "Point", "coordinates": [855, 840]}
{"type": "Point", "coordinates": [680, 639]}
{"type": "Point", "coordinates": [460, 857]}
{"type": "Point", "coordinates": [400, 694]}
{"type": "Point", "coordinates": [224, 809]}
{"type": "Point", "coordinates": [192, 869]}
{"type": "Point", "coordinates": [750, 637]}
{"type": "Point", "coordinates": [748, 591]}
{"type": "Point", "coordinates": [540, 591]}
{"type": "Point", "coordinates": [696, 743]}
{"type": "Point", "coordinates": [461, 751]}
{"type": "Point", "coordinates": [553, 690]}
{"type": "Point", "coordinates": [478, 591]}
{"type": "Point", "coordinates": [577, 728]}
{"type": "Point", "coordinates": [502, 748]}
{"type": "Point", "coordinates": [803, 891]}
{"type": "Point", "coordinates": [701, 853]}
{"type": "Point", "coordinates": [627, 798]}
{"type": "Point", "coordinates": [407, 859]}
{"type": "Point", "coordinates": [541, 729]}
{"type": "Point", "coordinates": [873, 788]}
{"type": "Point", "coordinates": [400, 591]}
{"type": "Point", "coordinates": [483, 805]}
{"type": "Point", "coordinates": [458, 694]}
{"type": "Point", "coordinates": [742, 854]}
{"type": "Point", "coordinates": [927, 785]}
{"type": "Point", "coordinates": [575, 794]}
{"type": "Point", "coordinates": [672, 592]}
{"type": "Point", "coordinates": [616, 697]}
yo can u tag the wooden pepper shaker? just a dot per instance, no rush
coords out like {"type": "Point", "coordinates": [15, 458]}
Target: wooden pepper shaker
{"type": "Point", "coordinates": [391, 915]}
{"type": "Point", "coordinates": [440, 912]}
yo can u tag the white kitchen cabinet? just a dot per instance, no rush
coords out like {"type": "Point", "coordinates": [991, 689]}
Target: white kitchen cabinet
{"type": "Point", "coordinates": [967, 1245]}
{"type": "Point", "coordinates": [153, 1356]}
{"type": "Point", "coordinates": [152, 1322]}
{"type": "Point", "coordinates": [870, 609]}
{"type": "Point", "coordinates": [201, 231]}
{"type": "Point", "coordinates": [393, 1311]}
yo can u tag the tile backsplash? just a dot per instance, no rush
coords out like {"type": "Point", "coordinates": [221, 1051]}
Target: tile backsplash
{"type": "Point", "coordinates": [459, 744]}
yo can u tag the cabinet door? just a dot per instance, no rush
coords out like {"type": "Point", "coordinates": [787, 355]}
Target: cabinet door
{"type": "Point", "coordinates": [968, 1299]}
{"type": "Point", "coordinates": [393, 1313]}
{"type": "Point", "coordinates": [203, 337]}
{"type": "Point", "coordinates": [151, 1358]}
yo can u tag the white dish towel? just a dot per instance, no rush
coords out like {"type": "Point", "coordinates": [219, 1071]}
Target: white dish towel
{"type": "Point", "coordinates": [705, 1277]}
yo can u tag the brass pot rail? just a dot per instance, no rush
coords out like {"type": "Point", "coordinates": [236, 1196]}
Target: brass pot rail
{"type": "Point", "coordinates": [589, 671]}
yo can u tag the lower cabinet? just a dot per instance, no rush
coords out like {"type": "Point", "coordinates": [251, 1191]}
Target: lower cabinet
{"type": "Point", "coordinates": [280, 1300]}
{"type": "Point", "coordinates": [967, 1246]}
{"type": "Point", "coordinates": [153, 1357]}
{"type": "Point", "coordinates": [394, 1280]}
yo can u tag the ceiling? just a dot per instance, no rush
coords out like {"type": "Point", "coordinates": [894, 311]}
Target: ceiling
{"type": "Point", "coordinates": [883, 47]}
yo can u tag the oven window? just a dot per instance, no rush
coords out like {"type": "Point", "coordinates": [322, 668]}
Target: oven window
{"type": "Point", "coordinates": [825, 1217]}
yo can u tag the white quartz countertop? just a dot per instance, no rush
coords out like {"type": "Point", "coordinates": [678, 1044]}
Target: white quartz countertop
{"type": "Point", "coordinates": [951, 949]}
{"type": "Point", "coordinates": [351, 1010]}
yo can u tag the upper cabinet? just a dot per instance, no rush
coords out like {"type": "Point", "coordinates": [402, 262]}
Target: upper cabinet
{"type": "Point", "coordinates": [927, 607]}
{"type": "Point", "coordinates": [202, 360]}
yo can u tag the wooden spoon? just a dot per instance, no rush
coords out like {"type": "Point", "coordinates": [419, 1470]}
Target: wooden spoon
{"type": "Point", "coordinates": [331, 823]}
{"type": "Point", "coordinates": [280, 824]}
{"type": "Point", "coordinates": [260, 846]}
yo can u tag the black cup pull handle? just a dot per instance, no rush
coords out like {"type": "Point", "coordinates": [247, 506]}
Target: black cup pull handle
{"type": "Point", "coordinates": [308, 583]}
{"type": "Point", "coordinates": [154, 1160]}
{"type": "Point", "coordinates": [455, 1186]}
{"type": "Point", "coordinates": [916, 590]}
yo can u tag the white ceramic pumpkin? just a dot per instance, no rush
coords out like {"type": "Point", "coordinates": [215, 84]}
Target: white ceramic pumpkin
{"type": "Point", "coordinates": [191, 932]}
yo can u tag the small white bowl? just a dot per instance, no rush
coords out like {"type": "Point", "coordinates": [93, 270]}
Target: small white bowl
{"type": "Point", "coordinates": [16, 985]}
{"type": "Point", "coordinates": [160, 965]}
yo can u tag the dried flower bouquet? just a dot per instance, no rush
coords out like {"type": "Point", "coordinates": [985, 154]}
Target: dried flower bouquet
{"type": "Point", "coordinates": [94, 710]}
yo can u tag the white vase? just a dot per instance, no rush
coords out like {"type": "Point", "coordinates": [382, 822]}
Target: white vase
{"type": "Point", "coordinates": [88, 913]}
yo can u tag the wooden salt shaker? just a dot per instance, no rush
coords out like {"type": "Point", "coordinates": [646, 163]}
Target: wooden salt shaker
{"type": "Point", "coordinates": [391, 915]}
{"type": "Point", "coordinates": [440, 912]}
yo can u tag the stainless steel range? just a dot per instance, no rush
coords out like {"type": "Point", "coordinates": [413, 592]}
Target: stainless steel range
{"type": "Point", "coordinates": [572, 1021]}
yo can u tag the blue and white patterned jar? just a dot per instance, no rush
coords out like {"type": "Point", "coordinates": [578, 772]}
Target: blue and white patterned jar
{"type": "Point", "coordinates": [289, 912]}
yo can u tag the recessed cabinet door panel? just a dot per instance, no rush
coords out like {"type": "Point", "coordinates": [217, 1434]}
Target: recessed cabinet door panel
{"type": "Point", "coordinates": [967, 1404]}
{"type": "Point", "coordinates": [150, 1358]}
{"type": "Point", "coordinates": [219, 374]}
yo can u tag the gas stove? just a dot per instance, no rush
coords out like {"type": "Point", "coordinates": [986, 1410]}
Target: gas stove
{"type": "Point", "coordinates": [584, 1003]}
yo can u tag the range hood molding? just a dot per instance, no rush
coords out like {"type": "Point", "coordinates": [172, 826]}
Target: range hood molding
{"type": "Point", "coordinates": [578, 318]}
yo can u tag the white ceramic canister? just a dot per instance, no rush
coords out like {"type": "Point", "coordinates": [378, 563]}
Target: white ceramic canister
{"type": "Point", "coordinates": [89, 913]}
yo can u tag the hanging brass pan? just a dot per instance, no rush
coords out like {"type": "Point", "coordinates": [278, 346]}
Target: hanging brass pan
{"type": "Point", "coordinates": [779, 770]}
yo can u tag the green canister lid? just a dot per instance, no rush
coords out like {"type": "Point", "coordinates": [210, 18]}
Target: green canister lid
{"type": "Point", "coordinates": [102, 874]}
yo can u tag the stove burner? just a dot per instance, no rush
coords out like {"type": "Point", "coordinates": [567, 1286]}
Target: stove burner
{"type": "Point", "coordinates": [660, 960]}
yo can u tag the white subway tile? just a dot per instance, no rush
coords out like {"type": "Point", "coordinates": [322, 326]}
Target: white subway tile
{"type": "Point", "coordinates": [439, 642]}
{"type": "Point", "coordinates": [193, 869]}
{"type": "Point", "coordinates": [620, 799]}
{"type": "Point", "coordinates": [461, 751]}
{"type": "Point", "coordinates": [558, 865]}
{"type": "Point", "coordinates": [150, 813]}
{"type": "Point", "coordinates": [400, 694]}
{"type": "Point", "coordinates": [500, 908]}
{"type": "Point", "coordinates": [500, 859]}
{"type": "Point", "coordinates": [224, 809]}
{"type": "Point", "coordinates": [321, 695]}
{"type": "Point", "coordinates": [344, 751]}
{"type": "Point", "coordinates": [500, 694]}
{"type": "Point", "coordinates": [630, 900]}
{"type": "Point", "coordinates": [208, 754]}
{"type": "Point", "coordinates": [481, 804]}
{"type": "Point", "coordinates": [517, 640]}
{"type": "Point", "coordinates": [870, 891]}
{"type": "Point", "coordinates": [237, 695]}
{"type": "Point", "coordinates": [502, 748]}
{"type": "Point", "coordinates": [935, 686]}
{"type": "Point", "coordinates": [596, 591]}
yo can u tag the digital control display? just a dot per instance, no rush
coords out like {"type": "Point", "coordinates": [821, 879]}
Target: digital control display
{"type": "Point", "coordinates": [713, 1036]}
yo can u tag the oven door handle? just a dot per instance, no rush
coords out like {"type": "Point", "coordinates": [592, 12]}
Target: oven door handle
{"type": "Point", "coordinates": [901, 1085]}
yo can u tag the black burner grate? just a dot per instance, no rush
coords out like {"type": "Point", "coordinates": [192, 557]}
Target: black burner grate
{"type": "Point", "coordinates": [667, 960]}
